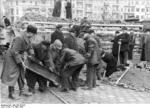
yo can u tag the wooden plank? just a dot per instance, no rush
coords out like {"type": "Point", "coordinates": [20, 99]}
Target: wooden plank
{"type": "Point", "coordinates": [38, 69]}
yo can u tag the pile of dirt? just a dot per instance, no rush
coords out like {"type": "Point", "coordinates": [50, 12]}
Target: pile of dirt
{"type": "Point", "coordinates": [136, 79]}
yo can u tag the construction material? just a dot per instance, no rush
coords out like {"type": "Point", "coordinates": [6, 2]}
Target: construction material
{"type": "Point", "coordinates": [123, 75]}
{"type": "Point", "coordinates": [38, 69]}
{"type": "Point", "coordinates": [137, 79]}
{"type": "Point", "coordinates": [58, 97]}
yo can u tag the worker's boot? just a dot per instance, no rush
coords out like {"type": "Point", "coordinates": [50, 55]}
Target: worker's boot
{"type": "Point", "coordinates": [11, 93]}
{"type": "Point", "coordinates": [23, 93]}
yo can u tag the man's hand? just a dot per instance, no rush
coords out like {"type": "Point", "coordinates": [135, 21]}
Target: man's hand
{"type": "Point", "coordinates": [119, 42]}
{"type": "Point", "coordinates": [51, 69]}
{"type": "Point", "coordinates": [41, 63]}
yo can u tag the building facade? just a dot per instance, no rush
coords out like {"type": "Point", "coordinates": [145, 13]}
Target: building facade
{"type": "Point", "coordinates": [92, 9]}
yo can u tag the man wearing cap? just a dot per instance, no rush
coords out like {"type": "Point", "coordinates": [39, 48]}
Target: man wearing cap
{"type": "Point", "coordinates": [71, 40]}
{"type": "Point", "coordinates": [98, 49]}
{"type": "Point", "coordinates": [43, 58]}
{"type": "Point", "coordinates": [55, 52]}
{"type": "Point", "coordinates": [111, 62]}
{"type": "Point", "coordinates": [58, 34]}
{"type": "Point", "coordinates": [131, 44]}
{"type": "Point", "coordinates": [115, 45]}
{"type": "Point", "coordinates": [122, 39]}
{"type": "Point", "coordinates": [71, 65]}
{"type": "Point", "coordinates": [13, 68]}
{"type": "Point", "coordinates": [93, 60]}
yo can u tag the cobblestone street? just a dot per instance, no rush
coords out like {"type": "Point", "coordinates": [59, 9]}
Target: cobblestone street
{"type": "Point", "coordinates": [103, 94]}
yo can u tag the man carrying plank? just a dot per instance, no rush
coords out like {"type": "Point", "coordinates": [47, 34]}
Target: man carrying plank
{"type": "Point", "coordinates": [43, 58]}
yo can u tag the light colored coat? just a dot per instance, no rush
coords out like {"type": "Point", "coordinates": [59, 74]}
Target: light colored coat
{"type": "Point", "coordinates": [11, 70]}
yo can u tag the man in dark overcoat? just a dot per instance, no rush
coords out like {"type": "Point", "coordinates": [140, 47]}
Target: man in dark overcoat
{"type": "Point", "coordinates": [55, 52]}
{"type": "Point", "coordinates": [124, 40]}
{"type": "Point", "coordinates": [13, 66]}
{"type": "Point", "coordinates": [41, 56]}
{"type": "Point", "coordinates": [93, 60]}
{"type": "Point", "coordinates": [71, 40]}
{"type": "Point", "coordinates": [111, 62]}
{"type": "Point", "coordinates": [72, 63]}
{"type": "Point", "coordinates": [115, 46]}
{"type": "Point", "coordinates": [131, 44]}
{"type": "Point", "coordinates": [58, 34]}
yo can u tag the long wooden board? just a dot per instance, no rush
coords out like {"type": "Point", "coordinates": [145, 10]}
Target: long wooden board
{"type": "Point", "coordinates": [38, 69]}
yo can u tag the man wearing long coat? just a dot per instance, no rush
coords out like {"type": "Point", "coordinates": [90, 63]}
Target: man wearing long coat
{"type": "Point", "coordinates": [71, 40]}
{"type": "Point", "coordinates": [72, 63]}
{"type": "Point", "coordinates": [41, 56]}
{"type": "Point", "coordinates": [147, 46]}
{"type": "Point", "coordinates": [12, 67]}
{"type": "Point", "coordinates": [57, 34]}
{"type": "Point", "coordinates": [93, 60]}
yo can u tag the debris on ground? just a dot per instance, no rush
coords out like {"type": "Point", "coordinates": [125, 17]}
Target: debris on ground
{"type": "Point", "coordinates": [136, 78]}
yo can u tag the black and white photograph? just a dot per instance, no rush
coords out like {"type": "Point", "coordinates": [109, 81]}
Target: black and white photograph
{"type": "Point", "coordinates": [74, 52]}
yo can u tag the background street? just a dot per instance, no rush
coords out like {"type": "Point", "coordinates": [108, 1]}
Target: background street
{"type": "Point", "coordinates": [103, 94]}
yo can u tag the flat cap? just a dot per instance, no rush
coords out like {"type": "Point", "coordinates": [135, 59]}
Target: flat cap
{"type": "Point", "coordinates": [59, 26]}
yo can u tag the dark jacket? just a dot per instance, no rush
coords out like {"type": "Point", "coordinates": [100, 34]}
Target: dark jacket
{"type": "Point", "coordinates": [93, 51]}
{"type": "Point", "coordinates": [41, 54]}
{"type": "Point", "coordinates": [71, 58]}
{"type": "Point", "coordinates": [57, 35]}
{"type": "Point", "coordinates": [125, 39]}
{"type": "Point", "coordinates": [110, 59]}
{"type": "Point", "coordinates": [71, 42]}
{"type": "Point", "coordinates": [13, 57]}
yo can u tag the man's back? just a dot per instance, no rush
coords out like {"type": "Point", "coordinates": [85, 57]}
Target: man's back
{"type": "Point", "coordinates": [57, 35]}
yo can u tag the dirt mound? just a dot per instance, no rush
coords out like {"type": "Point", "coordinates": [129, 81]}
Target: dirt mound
{"type": "Point", "coordinates": [137, 79]}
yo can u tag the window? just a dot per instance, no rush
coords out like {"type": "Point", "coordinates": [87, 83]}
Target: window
{"type": "Point", "coordinates": [12, 19]}
{"type": "Point", "coordinates": [128, 9]}
{"type": "Point", "coordinates": [17, 2]}
{"type": "Point", "coordinates": [36, 3]}
{"type": "Point", "coordinates": [132, 9]}
{"type": "Point", "coordinates": [23, 1]}
{"type": "Point", "coordinates": [137, 16]}
{"type": "Point", "coordinates": [137, 9]}
{"type": "Point", "coordinates": [88, 5]}
{"type": "Point", "coordinates": [80, 4]}
{"type": "Point", "coordinates": [143, 9]}
{"type": "Point", "coordinates": [137, 2]}
{"type": "Point", "coordinates": [12, 11]}
{"type": "Point", "coordinates": [142, 17]}
{"type": "Point", "coordinates": [79, 12]}
{"type": "Point", "coordinates": [17, 11]}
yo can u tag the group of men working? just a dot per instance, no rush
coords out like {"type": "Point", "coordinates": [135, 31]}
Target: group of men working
{"type": "Point", "coordinates": [64, 55]}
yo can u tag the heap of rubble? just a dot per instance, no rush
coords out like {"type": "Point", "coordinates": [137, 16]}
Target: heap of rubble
{"type": "Point", "coordinates": [136, 78]}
